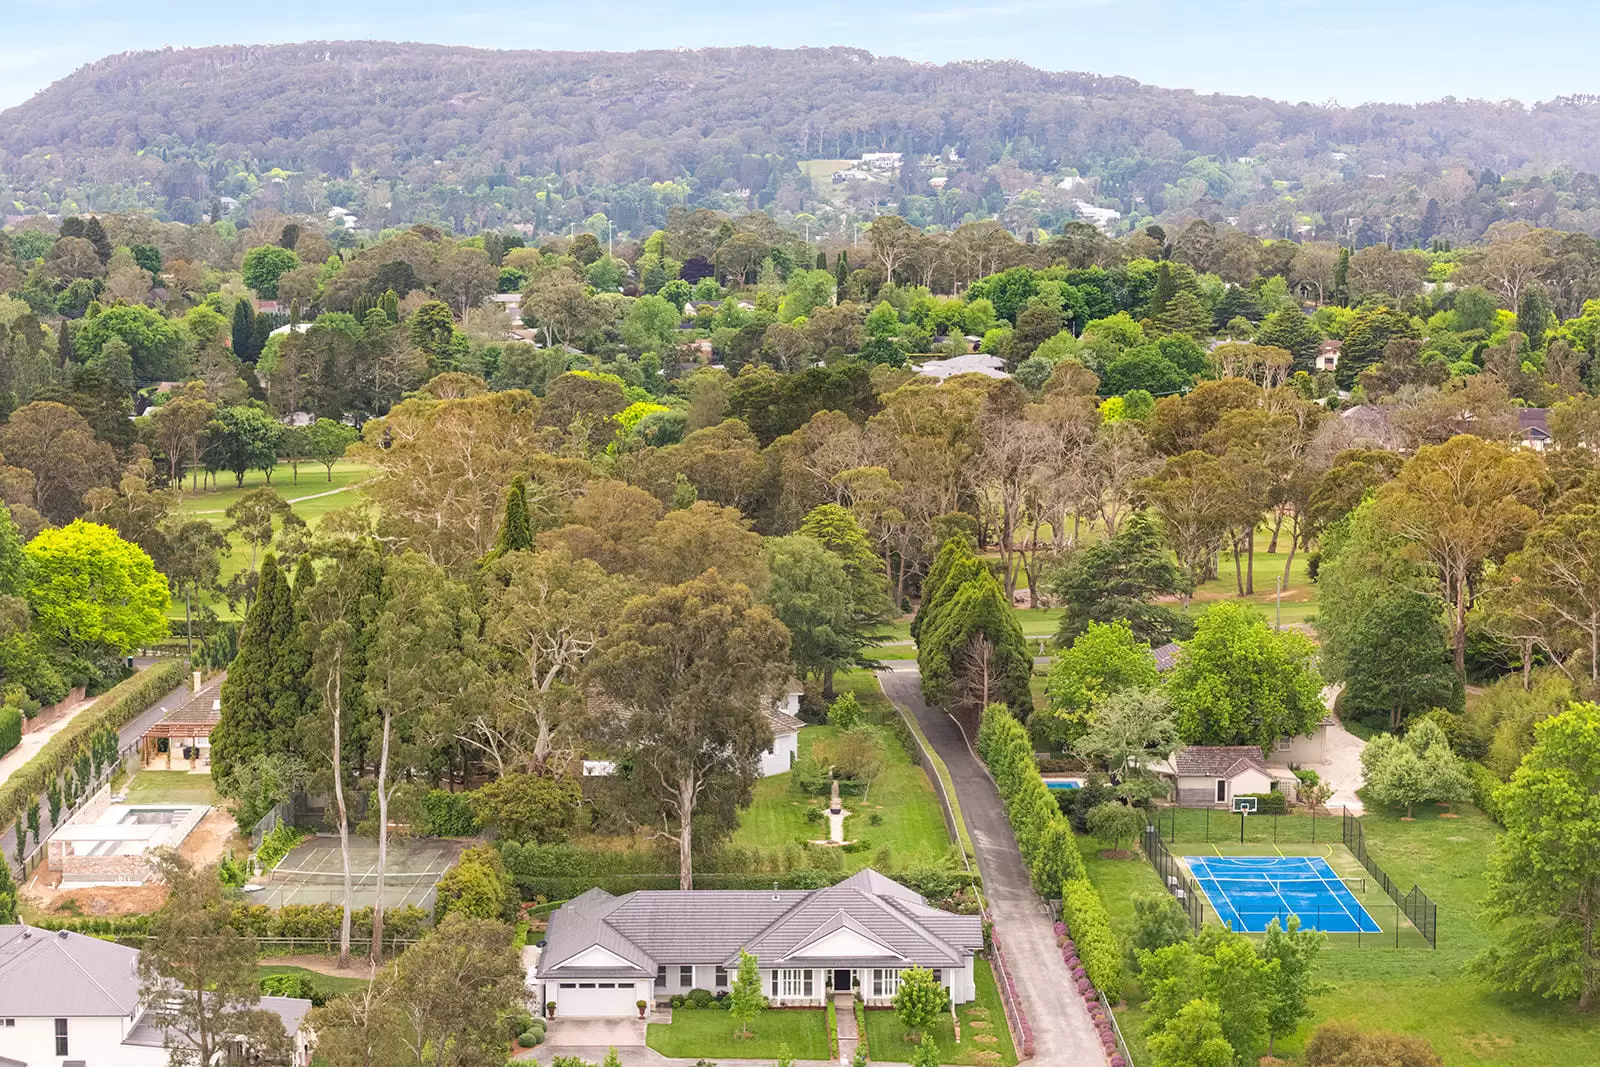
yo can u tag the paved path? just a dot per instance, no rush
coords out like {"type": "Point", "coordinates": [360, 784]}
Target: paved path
{"type": "Point", "coordinates": [34, 740]}
{"type": "Point", "coordinates": [127, 735]}
{"type": "Point", "coordinates": [844, 1009]}
{"type": "Point", "coordinates": [1061, 1028]}
{"type": "Point", "coordinates": [1340, 765]}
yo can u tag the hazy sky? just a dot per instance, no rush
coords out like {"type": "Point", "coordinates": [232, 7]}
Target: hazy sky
{"type": "Point", "coordinates": [1355, 51]}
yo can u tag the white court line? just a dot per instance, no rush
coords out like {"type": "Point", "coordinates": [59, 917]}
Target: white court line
{"type": "Point", "coordinates": [1348, 914]}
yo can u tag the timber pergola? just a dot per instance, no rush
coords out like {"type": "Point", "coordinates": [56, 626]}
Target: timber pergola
{"type": "Point", "coordinates": [190, 723]}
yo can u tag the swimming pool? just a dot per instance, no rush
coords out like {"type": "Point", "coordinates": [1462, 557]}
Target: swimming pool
{"type": "Point", "coordinates": [1064, 783]}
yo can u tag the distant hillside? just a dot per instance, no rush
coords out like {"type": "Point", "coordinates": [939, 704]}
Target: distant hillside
{"type": "Point", "coordinates": [398, 132]}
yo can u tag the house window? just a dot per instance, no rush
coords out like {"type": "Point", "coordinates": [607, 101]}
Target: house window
{"type": "Point", "coordinates": [686, 977]}
{"type": "Point", "coordinates": [775, 975]}
{"type": "Point", "coordinates": [885, 982]}
{"type": "Point", "coordinates": [61, 1037]}
{"type": "Point", "coordinates": [8, 1022]}
{"type": "Point", "coordinates": [938, 975]}
{"type": "Point", "coordinates": [1222, 790]}
{"type": "Point", "coordinates": [797, 983]}
{"type": "Point", "coordinates": [661, 977]}
{"type": "Point", "coordinates": [722, 978]}
{"type": "Point", "coordinates": [1284, 743]}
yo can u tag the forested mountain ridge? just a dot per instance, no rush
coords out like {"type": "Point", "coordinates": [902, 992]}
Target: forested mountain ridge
{"type": "Point", "coordinates": [480, 138]}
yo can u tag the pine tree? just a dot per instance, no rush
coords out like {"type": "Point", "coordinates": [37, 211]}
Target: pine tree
{"type": "Point", "coordinates": [1184, 313]}
{"type": "Point", "coordinates": [305, 576]}
{"type": "Point", "coordinates": [265, 689]}
{"type": "Point", "coordinates": [1166, 288]}
{"type": "Point", "coordinates": [95, 234]}
{"type": "Point", "coordinates": [244, 321]}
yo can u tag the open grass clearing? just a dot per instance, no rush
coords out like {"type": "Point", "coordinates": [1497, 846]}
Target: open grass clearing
{"type": "Point", "coordinates": [1412, 990]}
{"type": "Point", "coordinates": [984, 1017]}
{"type": "Point", "coordinates": [710, 1033]}
{"type": "Point", "coordinates": [171, 787]}
{"type": "Point", "coordinates": [329, 985]}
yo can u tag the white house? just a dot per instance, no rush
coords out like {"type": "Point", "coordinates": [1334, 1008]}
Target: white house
{"type": "Point", "coordinates": [1302, 748]}
{"type": "Point", "coordinates": [786, 724]}
{"type": "Point", "coordinates": [605, 953]}
{"type": "Point", "coordinates": [67, 1000]}
{"type": "Point", "coordinates": [1207, 775]}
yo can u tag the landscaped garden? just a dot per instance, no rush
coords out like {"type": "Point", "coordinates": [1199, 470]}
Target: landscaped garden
{"type": "Point", "coordinates": [898, 811]}
{"type": "Point", "coordinates": [711, 1033]}
{"type": "Point", "coordinates": [887, 1040]}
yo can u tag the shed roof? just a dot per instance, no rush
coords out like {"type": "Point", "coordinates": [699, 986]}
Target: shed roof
{"type": "Point", "coordinates": [1217, 761]}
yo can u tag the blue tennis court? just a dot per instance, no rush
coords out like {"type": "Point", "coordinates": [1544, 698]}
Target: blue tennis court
{"type": "Point", "coordinates": [1248, 892]}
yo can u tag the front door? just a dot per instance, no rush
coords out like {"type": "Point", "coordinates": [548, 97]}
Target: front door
{"type": "Point", "coordinates": [843, 980]}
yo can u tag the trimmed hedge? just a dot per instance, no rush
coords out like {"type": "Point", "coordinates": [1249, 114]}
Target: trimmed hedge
{"type": "Point", "coordinates": [1090, 929]}
{"type": "Point", "coordinates": [116, 707]}
{"type": "Point", "coordinates": [10, 728]}
{"type": "Point", "coordinates": [318, 922]}
{"type": "Point", "coordinates": [1044, 835]}
{"type": "Point", "coordinates": [1486, 788]}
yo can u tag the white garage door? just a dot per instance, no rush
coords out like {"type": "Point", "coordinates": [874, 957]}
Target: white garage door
{"type": "Point", "coordinates": [579, 1000]}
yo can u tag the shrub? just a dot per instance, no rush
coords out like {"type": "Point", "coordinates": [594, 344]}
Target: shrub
{"type": "Point", "coordinates": [1271, 803]}
{"type": "Point", "coordinates": [526, 807]}
{"type": "Point", "coordinates": [276, 844]}
{"type": "Point", "coordinates": [1090, 927]}
{"type": "Point", "coordinates": [846, 712]}
{"type": "Point", "coordinates": [293, 985]}
{"type": "Point", "coordinates": [477, 886]}
{"type": "Point", "coordinates": [529, 1038]}
{"type": "Point", "coordinates": [450, 814]}
{"type": "Point", "coordinates": [1344, 1044]}
{"type": "Point", "coordinates": [1485, 790]}
{"type": "Point", "coordinates": [699, 998]}
{"type": "Point", "coordinates": [10, 728]}
{"type": "Point", "coordinates": [875, 819]}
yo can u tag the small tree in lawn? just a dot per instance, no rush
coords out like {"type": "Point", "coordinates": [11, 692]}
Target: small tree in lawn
{"type": "Point", "coordinates": [1415, 769]}
{"type": "Point", "coordinates": [846, 712]}
{"type": "Point", "coordinates": [1289, 995]}
{"type": "Point", "coordinates": [920, 1000]}
{"type": "Point", "coordinates": [1158, 921]}
{"type": "Point", "coordinates": [1115, 823]}
{"type": "Point", "coordinates": [926, 1054]}
{"type": "Point", "coordinates": [745, 999]}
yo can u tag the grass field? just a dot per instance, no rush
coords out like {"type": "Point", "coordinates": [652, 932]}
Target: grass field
{"type": "Point", "coordinates": [707, 1032]}
{"type": "Point", "coordinates": [171, 787]}
{"type": "Point", "coordinates": [984, 1017]}
{"type": "Point", "coordinates": [312, 498]}
{"type": "Point", "coordinates": [327, 983]}
{"type": "Point", "coordinates": [1413, 990]}
{"type": "Point", "coordinates": [912, 826]}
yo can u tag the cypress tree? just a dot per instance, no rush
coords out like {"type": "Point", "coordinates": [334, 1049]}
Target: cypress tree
{"type": "Point", "coordinates": [516, 528]}
{"type": "Point", "coordinates": [956, 552]}
{"type": "Point", "coordinates": [8, 891]}
{"type": "Point", "coordinates": [264, 692]}
{"type": "Point", "coordinates": [822, 260]}
{"type": "Point", "coordinates": [1341, 279]}
{"type": "Point", "coordinates": [841, 268]}
{"type": "Point", "coordinates": [978, 609]}
{"type": "Point", "coordinates": [95, 234]}
{"type": "Point", "coordinates": [244, 322]}
{"type": "Point", "coordinates": [390, 303]}
{"type": "Point", "coordinates": [305, 576]}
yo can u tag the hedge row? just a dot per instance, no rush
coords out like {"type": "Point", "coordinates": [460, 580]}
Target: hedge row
{"type": "Point", "coordinates": [318, 922]}
{"type": "Point", "coordinates": [1044, 835]}
{"type": "Point", "coordinates": [10, 728]}
{"type": "Point", "coordinates": [1090, 928]}
{"type": "Point", "coordinates": [117, 707]}
{"type": "Point", "coordinates": [564, 871]}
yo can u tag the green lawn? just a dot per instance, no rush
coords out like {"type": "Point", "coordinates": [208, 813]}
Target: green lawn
{"type": "Point", "coordinates": [1036, 623]}
{"type": "Point", "coordinates": [912, 825]}
{"type": "Point", "coordinates": [886, 1036]}
{"type": "Point", "coordinates": [1413, 990]}
{"type": "Point", "coordinates": [327, 983]}
{"type": "Point", "coordinates": [696, 1033]}
{"type": "Point", "coordinates": [312, 498]}
{"type": "Point", "coordinates": [1299, 600]}
{"type": "Point", "coordinates": [171, 787]}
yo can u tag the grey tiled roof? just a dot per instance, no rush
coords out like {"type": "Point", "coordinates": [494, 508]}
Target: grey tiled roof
{"type": "Point", "coordinates": [44, 973]}
{"type": "Point", "coordinates": [652, 928]}
{"type": "Point", "coordinates": [291, 1011]}
{"type": "Point", "coordinates": [1166, 656]}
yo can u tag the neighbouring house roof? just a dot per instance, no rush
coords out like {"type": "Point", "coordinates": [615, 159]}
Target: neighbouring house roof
{"type": "Point", "coordinates": [54, 974]}
{"type": "Point", "coordinates": [652, 928]}
{"type": "Point", "coordinates": [1166, 656]}
{"type": "Point", "coordinates": [976, 363]}
{"type": "Point", "coordinates": [1217, 761]}
{"type": "Point", "coordinates": [291, 1011]}
{"type": "Point", "coordinates": [1534, 423]}
{"type": "Point", "coordinates": [783, 722]}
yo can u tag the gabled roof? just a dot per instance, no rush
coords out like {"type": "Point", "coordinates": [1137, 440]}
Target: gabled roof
{"type": "Point", "coordinates": [654, 928]}
{"type": "Point", "coordinates": [1166, 656]}
{"type": "Point", "coordinates": [782, 722]}
{"type": "Point", "coordinates": [1217, 761]}
{"type": "Point", "coordinates": [291, 1011]}
{"type": "Point", "coordinates": [47, 973]}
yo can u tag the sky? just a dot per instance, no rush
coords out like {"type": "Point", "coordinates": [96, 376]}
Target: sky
{"type": "Point", "coordinates": [1400, 51]}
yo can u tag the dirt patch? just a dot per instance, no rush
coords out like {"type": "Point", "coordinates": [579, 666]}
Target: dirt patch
{"type": "Point", "coordinates": [96, 900]}
{"type": "Point", "coordinates": [215, 834]}
{"type": "Point", "coordinates": [1117, 854]}
{"type": "Point", "coordinates": [328, 965]}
